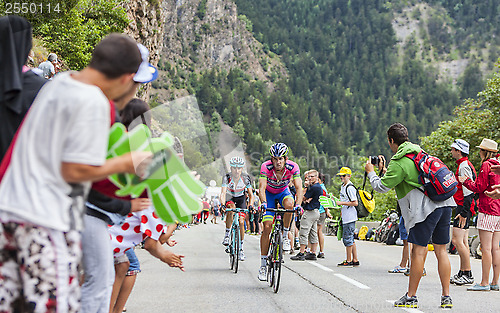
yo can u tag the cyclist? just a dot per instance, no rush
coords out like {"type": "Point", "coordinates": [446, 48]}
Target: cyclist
{"type": "Point", "coordinates": [234, 185]}
{"type": "Point", "coordinates": [275, 175]}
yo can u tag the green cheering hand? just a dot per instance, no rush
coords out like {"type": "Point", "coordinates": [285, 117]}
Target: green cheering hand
{"type": "Point", "coordinates": [170, 185]}
{"type": "Point", "coordinates": [327, 202]}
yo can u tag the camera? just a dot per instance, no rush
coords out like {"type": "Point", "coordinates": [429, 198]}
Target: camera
{"type": "Point", "coordinates": [374, 160]}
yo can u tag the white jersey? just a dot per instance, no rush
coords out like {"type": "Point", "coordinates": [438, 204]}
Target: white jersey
{"type": "Point", "coordinates": [68, 122]}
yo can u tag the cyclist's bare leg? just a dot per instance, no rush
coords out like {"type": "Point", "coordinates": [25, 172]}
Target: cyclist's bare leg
{"type": "Point", "coordinates": [287, 217]}
{"type": "Point", "coordinates": [264, 238]}
{"type": "Point", "coordinates": [229, 219]}
{"type": "Point", "coordinates": [242, 227]}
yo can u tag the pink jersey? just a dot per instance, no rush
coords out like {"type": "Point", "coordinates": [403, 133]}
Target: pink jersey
{"type": "Point", "coordinates": [274, 185]}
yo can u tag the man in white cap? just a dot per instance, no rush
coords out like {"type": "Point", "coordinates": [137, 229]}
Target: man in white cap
{"type": "Point", "coordinates": [462, 214]}
{"type": "Point", "coordinates": [59, 149]}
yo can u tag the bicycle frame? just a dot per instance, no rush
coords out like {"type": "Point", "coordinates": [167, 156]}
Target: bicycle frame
{"type": "Point", "coordinates": [275, 254]}
{"type": "Point", "coordinates": [234, 243]}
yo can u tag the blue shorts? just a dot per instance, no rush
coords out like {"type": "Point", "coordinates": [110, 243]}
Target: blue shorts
{"type": "Point", "coordinates": [348, 233]}
{"type": "Point", "coordinates": [403, 234]}
{"type": "Point", "coordinates": [135, 266]}
{"type": "Point", "coordinates": [435, 226]}
{"type": "Point", "coordinates": [271, 199]}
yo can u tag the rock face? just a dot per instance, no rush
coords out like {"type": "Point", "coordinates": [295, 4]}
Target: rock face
{"type": "Point", "coordinates": [146, 27]}
{"type": "Point", "coordinates": [206, 34]}
{"type": "Point", "coordinates": [196, 35]}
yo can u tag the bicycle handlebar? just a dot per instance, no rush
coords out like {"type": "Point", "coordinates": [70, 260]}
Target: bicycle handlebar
{"type": "Point", "coordinates": [280, 210]}
{"type": "Point", "coordinates": [236, 210]}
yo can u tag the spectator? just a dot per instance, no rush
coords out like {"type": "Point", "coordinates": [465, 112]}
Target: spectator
{"type": "Point", "coordinates": [349, 215]}
{"type": "Point", "coordinates": [103, 209]}
{"type": "Point", "coordinates": [138, 227]}
{"type": "Point", "coordinates": [49, 66]}
{"type": "Point", "coordinates": [405, 256]}
{"type": "Point", "coordinates": [74, 139]}
{"type": "Point", "coordinates": [488, 219]}
{"type": "Point", "coordinates": [323, 214]}
{"type": "Point", "coordinates": [462, 215]}
{"type": "Point", "coordinates": [206, 210]}
{"type": "Point", "coordinates": [18, 84]}
{"type": "Point", "coordinates": [426, 218]}
{"type": "Point", "coordinates": [309, 222]}
{"type": "Point", "coordinates": [216, 208]}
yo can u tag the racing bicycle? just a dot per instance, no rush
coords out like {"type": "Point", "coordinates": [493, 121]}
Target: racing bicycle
{"type": "Point", "coordinates": [235, 239]}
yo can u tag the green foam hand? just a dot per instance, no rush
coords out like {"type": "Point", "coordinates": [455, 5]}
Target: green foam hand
{"type": "Point", "coordinates": [327, 202]}
{"type": "Point", "coordinates": [169, 183]}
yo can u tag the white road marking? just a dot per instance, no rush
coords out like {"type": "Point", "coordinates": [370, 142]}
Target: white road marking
{"type": "Point", "coordinates": [406, 309]}
{"type": "Point", "coordinates": [324, 268]}
{"type": "Point", "coordinates": [352, 281]}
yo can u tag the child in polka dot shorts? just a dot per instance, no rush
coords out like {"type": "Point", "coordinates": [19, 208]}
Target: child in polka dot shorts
{"type": "Point", "coordinates": [138, 227]}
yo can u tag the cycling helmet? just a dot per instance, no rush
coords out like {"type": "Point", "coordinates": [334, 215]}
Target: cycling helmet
{"type": "Point", "coordinates": [237, 162]}
{"type": "Point", "coordinates": [278, 150]}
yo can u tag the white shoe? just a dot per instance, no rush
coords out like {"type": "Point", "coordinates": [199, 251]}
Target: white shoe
{"type": "Point", "coordinates": [262, 273]}
{"type": "Point", "coordinates": [242, 255]}
{"type": "Point", "coordinates": [225, 241]}
{"type": "Point", "coordinates": [286, 245]}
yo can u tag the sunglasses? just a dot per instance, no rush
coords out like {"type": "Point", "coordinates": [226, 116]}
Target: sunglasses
{"type": "Point", "coordinates": [342, 175]}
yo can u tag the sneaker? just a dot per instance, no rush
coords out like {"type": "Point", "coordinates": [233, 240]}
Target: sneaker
{"type": "Point", "coordinates": [311, 257]}
{"type": "Point", "coordinates": [242, 255]}
{"type": "Point", "coordinates": [406, 302]}
{"type": "Point", "coordinates": [454, 278]}
{"type": "Point", "coordinates": [345, 264]}
{"type": "Point", "coordinates": [225, 241]}
{"type": "Point", "coordinates": [262, 273]}
{"type": "Point", "coordinates": [321, 255]}
{"type": "Point", "coordinates": [355, 263]}
{"type": "Point", "coordinates": [298, 257]}
{"type": "Point", "coordinates": [494, 288]}
{"type": "Point", "coordinates": [296, 246]}
{"type": "Point", "coordinates": [286, 245]}
{"type": "Point", "coordinates": [446, 302]}
{"type": "Point", "coordinates": [478, 287]}
{"type": "Point", "coordinates": [464, 280]}
{"type": "Point", "coordinates": [398, 269]}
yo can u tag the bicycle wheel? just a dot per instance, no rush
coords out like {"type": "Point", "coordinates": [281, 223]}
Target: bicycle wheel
{"type": "Point", "coordinates": [230, 247]}
{"type": "Point", "coordinates": [236, 248]}
{"type": "Point", "coordinates": [278, 258]}
{"type": "Point", "coordinates": [270, 262]}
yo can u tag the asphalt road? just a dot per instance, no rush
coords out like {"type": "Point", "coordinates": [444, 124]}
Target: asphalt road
{"type": "Point", "coordinates": [208, 285]}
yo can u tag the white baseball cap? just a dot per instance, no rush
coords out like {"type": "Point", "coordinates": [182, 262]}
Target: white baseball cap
{"type": "Point", "coordinates": [461, 145]}
{"type": "Point", "coordinates": [146, 72]}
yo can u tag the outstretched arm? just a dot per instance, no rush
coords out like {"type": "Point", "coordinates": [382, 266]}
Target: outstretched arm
{"type": "Point", "coordinates": [155, 248]}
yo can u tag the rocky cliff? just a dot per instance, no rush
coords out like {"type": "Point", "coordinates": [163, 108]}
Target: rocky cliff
{"type": "Point", "coordinates": [146, 27]}
{"type": "Point", "coordinates": [205, 34]}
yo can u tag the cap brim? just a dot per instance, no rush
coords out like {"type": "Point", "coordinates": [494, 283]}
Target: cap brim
{"type": "Point", "coordinates": [146, 73]}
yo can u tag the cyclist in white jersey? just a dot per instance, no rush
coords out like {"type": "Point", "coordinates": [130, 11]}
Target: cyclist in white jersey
{"type": "Point", "coordinates": [234, 185]}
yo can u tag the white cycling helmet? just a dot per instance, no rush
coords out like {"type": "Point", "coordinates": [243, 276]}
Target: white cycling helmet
{"type": "Point", "coordinates": [237, 162]}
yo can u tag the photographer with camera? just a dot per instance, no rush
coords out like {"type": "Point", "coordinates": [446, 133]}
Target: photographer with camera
{"type": "Point", "coordinates": [424, 218]}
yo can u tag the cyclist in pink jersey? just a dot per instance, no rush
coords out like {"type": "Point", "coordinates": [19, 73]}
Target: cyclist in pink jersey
{"type": "Point", "coordinates": [275, 175]}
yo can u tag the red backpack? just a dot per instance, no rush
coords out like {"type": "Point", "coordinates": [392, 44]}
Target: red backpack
{"type": "Point", "coordinates": [438, 181]}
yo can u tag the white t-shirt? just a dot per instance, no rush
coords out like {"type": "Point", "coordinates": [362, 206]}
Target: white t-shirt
{"type": "Point", "coordinates": [349, 213]}
{"type": "Point", "coordinates": [465, 171]}
{"type": "Point", "coordinates": [68, 122]}
{"type": "Point", "coordinates": [47, 68]}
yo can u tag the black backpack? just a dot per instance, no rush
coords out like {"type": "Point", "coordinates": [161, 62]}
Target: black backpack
{"type": "Point", "coordinates": [393, 235]}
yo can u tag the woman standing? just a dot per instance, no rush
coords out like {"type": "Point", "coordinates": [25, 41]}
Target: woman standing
{"type": "Point", "coordinates": [488, 221]}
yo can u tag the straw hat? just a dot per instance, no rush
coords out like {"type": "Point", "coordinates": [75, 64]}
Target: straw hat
{"type": "Point", "coordinates": [488, 145]}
